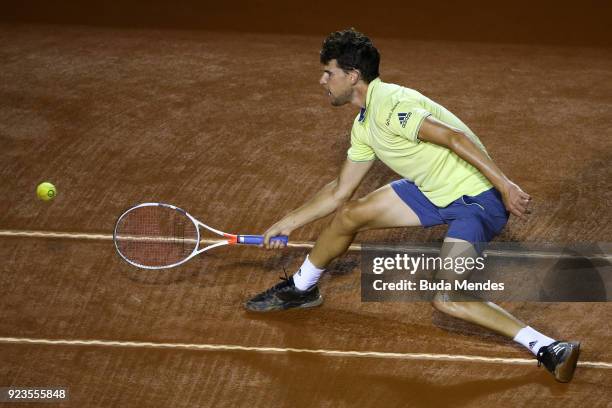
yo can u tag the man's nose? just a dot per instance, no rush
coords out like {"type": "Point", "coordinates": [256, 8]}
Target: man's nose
{"type": "Point", "coordinates": [323, 80]}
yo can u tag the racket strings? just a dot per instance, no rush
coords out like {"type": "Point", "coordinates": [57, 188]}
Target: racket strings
{"type": "Point", "coordinates": [156, 236]}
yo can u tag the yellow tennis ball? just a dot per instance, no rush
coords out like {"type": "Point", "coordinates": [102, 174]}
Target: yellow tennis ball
{"type": "Point", "coordinates": [46, 191]}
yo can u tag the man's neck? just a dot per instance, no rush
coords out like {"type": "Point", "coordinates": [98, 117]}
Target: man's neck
{"type": "Point", "coordinates": [360, 93]}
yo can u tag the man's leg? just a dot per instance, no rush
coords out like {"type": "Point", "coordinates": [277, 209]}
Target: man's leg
{"type": "Point", "coordinates": [463, 306]}
{"type": "Point", "coordinates": [560, 358]}
{"type": "Point", "coordinates": [382, 208]}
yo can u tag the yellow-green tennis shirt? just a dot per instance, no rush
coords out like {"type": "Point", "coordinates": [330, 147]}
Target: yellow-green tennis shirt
{"type": "Point", "coordinates": [388, 127]}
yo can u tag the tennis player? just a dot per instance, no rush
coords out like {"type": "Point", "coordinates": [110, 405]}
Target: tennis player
{"type": "Point", "coordinates": [448, 178]}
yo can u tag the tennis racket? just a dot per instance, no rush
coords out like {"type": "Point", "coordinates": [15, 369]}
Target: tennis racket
{"type": "Point", "coordinates": [159, 236]}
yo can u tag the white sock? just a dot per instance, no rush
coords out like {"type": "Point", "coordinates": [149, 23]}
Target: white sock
{"type": "Point", "coordinates": [307, 275]}
{"type": "Point", "coordinates": [532, 339]}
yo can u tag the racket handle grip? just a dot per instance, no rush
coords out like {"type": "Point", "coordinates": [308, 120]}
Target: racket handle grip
{"type": "Point", "coordinates": [259, 239]}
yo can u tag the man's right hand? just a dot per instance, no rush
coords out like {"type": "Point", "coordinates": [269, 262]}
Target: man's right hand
{"type": "Point", "coordinates": [274, 230]}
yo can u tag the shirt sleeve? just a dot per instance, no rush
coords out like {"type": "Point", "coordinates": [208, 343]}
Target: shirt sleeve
{"type": "Point", "coordinates": [359, 151]}
{"type": "Point", "coordinates": [405, 120]}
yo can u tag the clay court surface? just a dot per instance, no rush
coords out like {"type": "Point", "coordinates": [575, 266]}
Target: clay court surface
{"type": "Point", "coordinates": [235, 128]}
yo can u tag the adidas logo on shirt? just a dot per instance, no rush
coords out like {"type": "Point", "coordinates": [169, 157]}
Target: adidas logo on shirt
{"type": "Point", "coordinates": [403, 118]}
{"type": "Point", "coordinates": [531, 344]}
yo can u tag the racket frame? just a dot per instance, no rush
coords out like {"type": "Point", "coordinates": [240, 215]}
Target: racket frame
{"type": "Point", "coordinates": [230, 239]}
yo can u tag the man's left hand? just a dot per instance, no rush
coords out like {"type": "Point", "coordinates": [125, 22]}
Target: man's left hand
{"type": "Point", "coordinates": [516, 200]}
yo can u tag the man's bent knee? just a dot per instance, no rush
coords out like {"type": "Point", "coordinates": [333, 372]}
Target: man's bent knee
{"type": "Point", "coordinates": [349, 218]}
{"type": "Point", "coordinates": [445, 302]}
{"type": "Point", "coordinates": [441, 300]}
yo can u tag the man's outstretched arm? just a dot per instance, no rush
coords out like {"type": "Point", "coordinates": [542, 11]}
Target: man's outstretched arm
{"type": "Point", "coordinates": [326, 201]}
{"type": "Point", "coordinates": [434, 131]}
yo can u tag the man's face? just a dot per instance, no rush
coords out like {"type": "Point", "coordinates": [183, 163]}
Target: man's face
{"type": "Point", "coordinates": [337, 83]}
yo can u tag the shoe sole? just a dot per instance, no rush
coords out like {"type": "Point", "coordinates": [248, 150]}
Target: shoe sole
{"type": "Point", "coordinates": [317, 302]}
{"type": "Point", "coordinates": [564, 372]}
{"type": "Point", "coordinates": [314, 303]}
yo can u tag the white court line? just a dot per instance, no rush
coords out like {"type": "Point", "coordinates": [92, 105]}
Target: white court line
{"type": "Point", "coordinates": [287, 350]}
{"type": "Point", "coordinates": [306, 244]}
{"type": "Point", "coordinates": [224, 347]}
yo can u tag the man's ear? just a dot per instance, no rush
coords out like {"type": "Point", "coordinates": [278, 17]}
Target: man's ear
{"type": "Point", "coordinates": [355, 76]}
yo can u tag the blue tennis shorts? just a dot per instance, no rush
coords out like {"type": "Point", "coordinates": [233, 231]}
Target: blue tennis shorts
{"type": "Point", "coordinates": [476, 219]}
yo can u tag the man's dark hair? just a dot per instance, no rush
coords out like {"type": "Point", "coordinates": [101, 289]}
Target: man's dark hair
{"type": "Point", "coordinates": [352, 50]}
